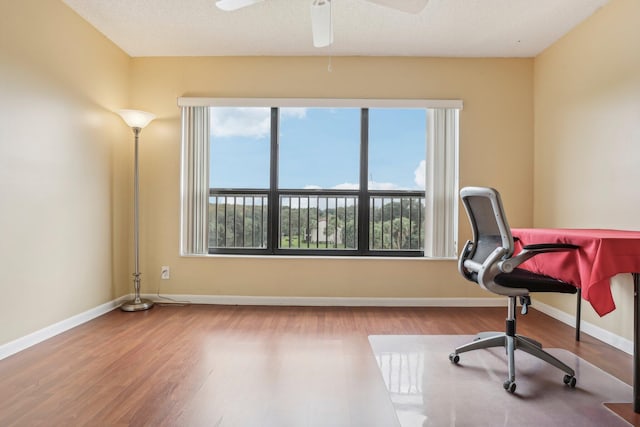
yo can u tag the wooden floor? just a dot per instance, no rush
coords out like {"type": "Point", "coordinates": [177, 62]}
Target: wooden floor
{"type": "Point", "coordinates": [241, 365]}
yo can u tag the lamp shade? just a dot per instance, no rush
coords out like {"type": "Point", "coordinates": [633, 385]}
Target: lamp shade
{"type": "Point", "coordinates": [321, 23]}
{"type": "Point", "coordinates": [136, 118]}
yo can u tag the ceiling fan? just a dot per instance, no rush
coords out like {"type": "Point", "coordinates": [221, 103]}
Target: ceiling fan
{"type": "Point", "coordinates": [321, 23]}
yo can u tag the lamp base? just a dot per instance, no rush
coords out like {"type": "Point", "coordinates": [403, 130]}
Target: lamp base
{"type": "Point", "coordinates": [137, 305]}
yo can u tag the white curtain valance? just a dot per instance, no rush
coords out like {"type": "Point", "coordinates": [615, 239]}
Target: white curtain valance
{"type": "Point", "coordinates": [455, 104]}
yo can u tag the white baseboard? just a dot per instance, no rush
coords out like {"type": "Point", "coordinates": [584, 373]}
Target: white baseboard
{"type": "Point", "coordinates": [34, 338]}
{"type": "Point", "coordinates": [588, 328]}
{"type": "Point", "coordinates": [22, 343]}
{"type": "Point", "coordinates": [334, 301]}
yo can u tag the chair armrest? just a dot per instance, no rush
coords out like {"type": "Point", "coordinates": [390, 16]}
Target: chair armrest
{"type": "Point", "coordinates": [474, 271]}
{"type": "Point", "coordinates": [489, 264]}
{"type": "Point", "coordinates": [468, 247]}
{"type": "Point", "coordinates": [550, 247]}
{"type": "Point", "coordinates": [529, 251]}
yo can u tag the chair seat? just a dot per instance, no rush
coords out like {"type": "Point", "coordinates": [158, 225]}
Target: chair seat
{"type": "Point", "coordinates": [534, 282]}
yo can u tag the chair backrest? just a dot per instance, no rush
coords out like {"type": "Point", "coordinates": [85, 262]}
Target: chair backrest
{"type": "Point", "coordinates": [488, 221]}
{"type": "Point", "coordinates": [490, 233]}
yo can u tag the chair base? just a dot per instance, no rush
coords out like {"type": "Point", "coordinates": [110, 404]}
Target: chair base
{"type": "Point", "coordinates": [511, 343]}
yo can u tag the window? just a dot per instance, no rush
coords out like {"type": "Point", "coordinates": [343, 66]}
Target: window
{"type": "Point", "coordinates": [319, 177]}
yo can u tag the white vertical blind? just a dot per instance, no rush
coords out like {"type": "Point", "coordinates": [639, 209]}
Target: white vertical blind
{"type": "Point", "coordinates": [441, 198]}
{"type": "Point", "coordinates": [195, 180]}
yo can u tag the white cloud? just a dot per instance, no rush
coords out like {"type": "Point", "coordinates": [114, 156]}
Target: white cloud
{"type": "Point", "coordinates": [296, 113]}
{"type": "Point", "coordinates": [246, 122]}
{"type": "Point", "coordinates": [420, 174]}
{"type": "Point", "coordinates": [253, 122]}
{"type": "Point", "coordinates": [373, 185]}
{"type": "Point", "coordinates": [346, 186]}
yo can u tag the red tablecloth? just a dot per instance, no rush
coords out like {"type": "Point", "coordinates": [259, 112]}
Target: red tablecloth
{"type": "Point", "coordinates": [602, 255]}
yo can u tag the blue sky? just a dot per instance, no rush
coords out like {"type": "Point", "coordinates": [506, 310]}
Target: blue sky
{"type": "Point", "coordinates": [319, 148]}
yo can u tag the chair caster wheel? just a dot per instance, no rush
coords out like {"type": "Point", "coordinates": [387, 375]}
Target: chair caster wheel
{"type": "Point", "coordinates": [570, 380]}
{"type": "Point", "coordinates": [509, 385]}
{"type": "Point", "coordinates": [454, 358]}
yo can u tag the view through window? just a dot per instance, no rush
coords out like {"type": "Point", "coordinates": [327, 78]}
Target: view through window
{"type": "Point", "coordinates": [347, 181]}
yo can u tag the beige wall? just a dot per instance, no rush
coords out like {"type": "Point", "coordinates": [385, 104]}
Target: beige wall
{"type": "Point", "coordinates": [587, 136]}
{"type": "Point", "coordinates": [496, 134]}
{"type": "Point", "coordinates": [66, 159]}
{"type": "Point", "coordinates": [63, 191]}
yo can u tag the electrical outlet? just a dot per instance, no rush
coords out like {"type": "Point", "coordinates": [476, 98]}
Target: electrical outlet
{"type": "Point", "coordinates": [164, 272]}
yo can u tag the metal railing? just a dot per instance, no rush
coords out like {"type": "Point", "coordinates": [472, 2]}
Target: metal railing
{"type": "Point", "coordinates": [315, 220]}
{"type": "Point", "coordinates": [312, 220]}
{"type": "Point", "coordinates": [396, 221]}
{"type": "Point", "coordinates": [238, 219]}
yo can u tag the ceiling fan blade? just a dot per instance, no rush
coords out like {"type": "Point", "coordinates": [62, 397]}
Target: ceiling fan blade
{"type": "Point", "coordinates": [409, 6]}
{"type": "Point", "coordinates": [321, 23]}
{"type": "Point", "coordinates": [230, 5]}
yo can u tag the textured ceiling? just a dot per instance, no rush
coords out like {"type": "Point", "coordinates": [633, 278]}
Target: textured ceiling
{"type": "Point", "coordinates": [453, 28]}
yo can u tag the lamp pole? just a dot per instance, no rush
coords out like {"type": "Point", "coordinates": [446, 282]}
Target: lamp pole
{"type": "Point", "coordinates": [137, 120]}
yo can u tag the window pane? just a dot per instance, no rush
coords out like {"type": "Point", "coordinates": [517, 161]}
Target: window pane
{"type": "Point", "coordinates": [319, 148]}
{"type": "Point", "coordinates": [397, 147]}
{"type": "Point", "coordinates": [240, 149]}
{"type": "Point", "coordinates": [316, 203]}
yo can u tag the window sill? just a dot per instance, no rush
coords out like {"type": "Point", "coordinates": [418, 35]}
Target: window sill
{"type": "Point", "coordinates": [320, 257]}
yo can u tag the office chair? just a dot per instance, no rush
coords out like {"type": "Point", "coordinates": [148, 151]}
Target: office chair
{"type": "Point", "coordinates": [488, 261]}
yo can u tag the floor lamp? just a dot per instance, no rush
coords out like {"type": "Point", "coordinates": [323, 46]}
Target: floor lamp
{"type": "Point", "coordinates": [137, 120]}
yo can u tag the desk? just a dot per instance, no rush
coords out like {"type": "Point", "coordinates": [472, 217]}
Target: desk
{"type": "Point", "coordinates": [601, 255]}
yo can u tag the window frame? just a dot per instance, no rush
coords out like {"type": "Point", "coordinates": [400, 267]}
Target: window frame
{"type": "Point", "coordinates": [448, 214]}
